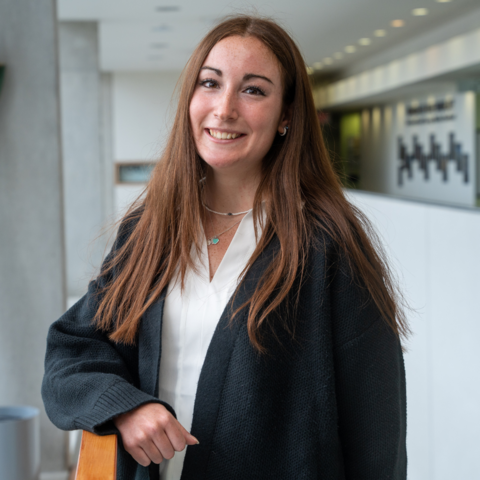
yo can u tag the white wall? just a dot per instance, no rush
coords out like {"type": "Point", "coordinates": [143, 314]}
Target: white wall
{"type": "Point", "coordinates": [143, 109]}
{"type": "Point", "coordinates": [434, 250]}
{"type": "Point", "coordinates": [125, 195]}
{"type": "Point", "coordinates": [381, 128]}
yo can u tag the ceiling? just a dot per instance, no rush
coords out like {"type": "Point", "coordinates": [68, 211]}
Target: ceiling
{"type": "Point", "coordinates": [161, 35]}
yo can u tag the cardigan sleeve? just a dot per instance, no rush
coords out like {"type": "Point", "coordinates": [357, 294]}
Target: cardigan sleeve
{"type": "Point", "coordinates": [88, 379]}
{"type": "Point", "coordinates": [370, 386]}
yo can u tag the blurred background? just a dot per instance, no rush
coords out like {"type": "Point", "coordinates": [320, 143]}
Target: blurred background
{"type": "Point", "coordinates": [86, 103]}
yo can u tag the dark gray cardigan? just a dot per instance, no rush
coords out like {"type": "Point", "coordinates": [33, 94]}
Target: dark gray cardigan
{"type": "Point", "coordinates": [328, 405]}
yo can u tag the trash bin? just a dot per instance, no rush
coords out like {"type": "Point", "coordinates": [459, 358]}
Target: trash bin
{"type": "Point", "coordinates": [19, 443]}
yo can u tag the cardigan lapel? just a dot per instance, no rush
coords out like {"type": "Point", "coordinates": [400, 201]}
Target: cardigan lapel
{"type": "Point", "coordinates": [150, 346]}
{"type": "Point", "coordinates": [215, 367]}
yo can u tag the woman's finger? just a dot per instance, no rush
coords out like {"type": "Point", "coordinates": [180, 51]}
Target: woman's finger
{"type": "Point", "coordinates": [174, 432]}
{"type": "Point", "coordinates": [164, 445]}
{"type": "Point", "coordinates": [139, 455]}
{"type": "Point", "coordinates": [139, 444]}
{"type": "Point", "coordinates": [152, 452]}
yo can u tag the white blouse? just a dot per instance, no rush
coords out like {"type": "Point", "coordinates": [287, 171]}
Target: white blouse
{"type": "Point", "coordinates": [189, 321]}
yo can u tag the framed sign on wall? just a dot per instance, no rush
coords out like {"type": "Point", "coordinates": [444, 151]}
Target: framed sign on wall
{"type": "Point", "coordinates": [133, 173]}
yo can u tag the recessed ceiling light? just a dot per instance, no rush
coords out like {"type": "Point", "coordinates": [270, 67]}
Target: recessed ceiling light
{"type": "Point", "coordinates": [309, 70]}
{"type": "Point", "coordinates": [328, 61]}
{"type": "Point", "coordinates": [397, 23]}
{"type": "Point", "coordinates": [419, 12]}
{"type": "Point", "coordinates": [444, 1]}
{"type": "Point", "coordinates": [380, 33]}
{"type": "Point", "coordinates": [350, 49]}
{"type": "Point", "coordinates": [338, 55]}
{"type": "Point", "coordinates": [364, 41]}
{"type": "Point", "coordinates": [167, 8]}
{"type": "Point", "coordinates": [318, 65]}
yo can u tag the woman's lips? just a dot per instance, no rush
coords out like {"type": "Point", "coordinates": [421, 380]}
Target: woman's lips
{"type": "Point", "coordinates": [219, 135]}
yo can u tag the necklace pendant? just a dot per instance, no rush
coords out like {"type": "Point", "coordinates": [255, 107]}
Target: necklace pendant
{"type": "Point", "coordinates": [213, 240]}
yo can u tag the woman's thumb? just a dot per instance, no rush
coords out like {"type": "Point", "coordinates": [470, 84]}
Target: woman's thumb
{"type": "Point", "coordinates": [189, 438]}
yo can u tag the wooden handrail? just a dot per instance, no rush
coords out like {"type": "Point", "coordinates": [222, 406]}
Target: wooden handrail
{"type": "Point", "coordinates": [98, 457]}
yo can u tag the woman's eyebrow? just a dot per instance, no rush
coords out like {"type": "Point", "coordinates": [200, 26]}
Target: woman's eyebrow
{"type": "Point", "coordinates": [247, 76]}
{"type": "Point", "coordinates": [216, 70]}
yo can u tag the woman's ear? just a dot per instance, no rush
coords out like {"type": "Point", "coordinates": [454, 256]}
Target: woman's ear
{"type": "Point", "coordinates": [285, 119]}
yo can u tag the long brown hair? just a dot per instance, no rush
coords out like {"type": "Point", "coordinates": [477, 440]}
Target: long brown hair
{"type": "Point", "coordinates": [305, 197]}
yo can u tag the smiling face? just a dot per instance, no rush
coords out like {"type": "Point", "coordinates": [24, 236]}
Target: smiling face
{"type": "Point", "coordinates": [237, 106]}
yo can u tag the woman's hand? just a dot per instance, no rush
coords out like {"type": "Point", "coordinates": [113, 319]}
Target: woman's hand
{"type": "Point", "coordinates": [151, 433]}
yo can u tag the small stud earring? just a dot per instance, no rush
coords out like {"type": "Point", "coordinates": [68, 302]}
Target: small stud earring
{"type": "Point", "coordinates": [285, 130]}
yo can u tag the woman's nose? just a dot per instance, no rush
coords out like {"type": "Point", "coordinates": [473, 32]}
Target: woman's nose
{"type": "Point", "coordinates": [226, 106]}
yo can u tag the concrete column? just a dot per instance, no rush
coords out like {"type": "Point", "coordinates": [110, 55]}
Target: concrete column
{"type": "Point", "coordinates": [32, 292]}
{"type": "Point", "coordinates": [86, 171]}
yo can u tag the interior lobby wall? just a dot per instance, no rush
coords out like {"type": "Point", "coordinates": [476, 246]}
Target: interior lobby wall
{"type": "Point", "coordinates": [143, 109]}
{"type": "Point", "coordinates": [423, 148]}
{"type": "Point", "coordinates": [143, 112]}
{"type": "Point", "coordinates": [32, 281]}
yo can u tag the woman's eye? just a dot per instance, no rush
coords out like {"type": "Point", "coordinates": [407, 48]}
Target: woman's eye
{"type": "Point", "coordinates": [254, 90]}
{"type": "Point", "coordinates": [208, 83]}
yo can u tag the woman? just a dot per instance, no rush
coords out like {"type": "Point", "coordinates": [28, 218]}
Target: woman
{"type": "Point", "coordinates": [244, 311]}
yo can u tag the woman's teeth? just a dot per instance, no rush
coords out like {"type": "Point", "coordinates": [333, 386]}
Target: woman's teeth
{"type": "Point", "coordinates": [223, 135]}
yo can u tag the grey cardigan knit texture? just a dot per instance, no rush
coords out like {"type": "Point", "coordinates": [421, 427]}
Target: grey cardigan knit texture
{"type": "Point", "coordinates": [329, 404]}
